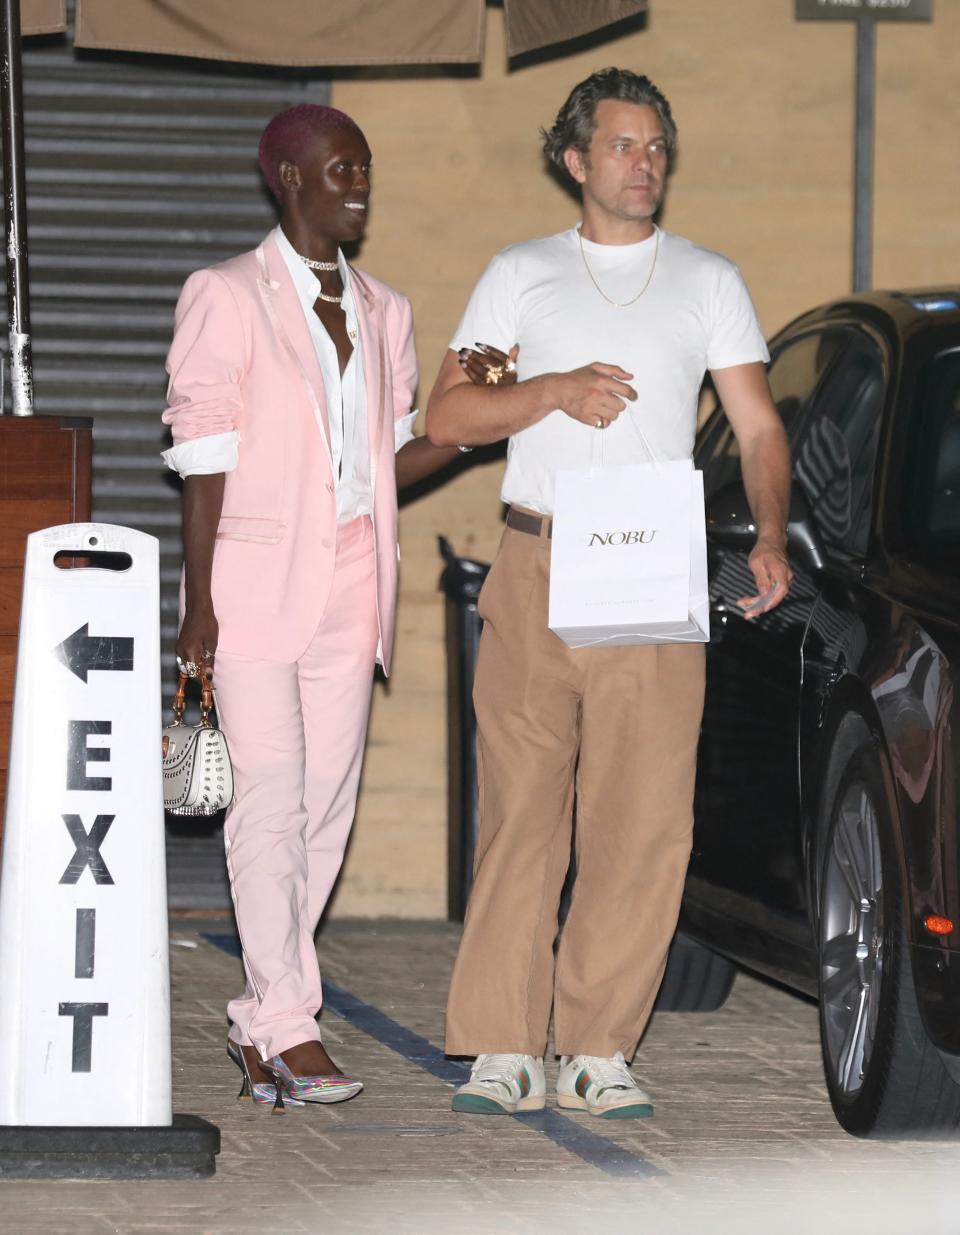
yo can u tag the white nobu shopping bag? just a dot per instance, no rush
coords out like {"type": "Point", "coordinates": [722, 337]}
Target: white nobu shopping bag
{"type": "Point", "coordinates": [629, 558]}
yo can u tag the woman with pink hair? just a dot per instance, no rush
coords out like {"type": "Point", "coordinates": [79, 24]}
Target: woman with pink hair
{"type": "Point", "coordinates": [292, 376]}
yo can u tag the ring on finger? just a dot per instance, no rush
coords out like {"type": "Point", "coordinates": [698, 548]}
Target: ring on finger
{"type": "Point", "coordinates": [599, 425]}
{"type": "Point", "coordinates": [493, 374]}
{"type": "Point", "coordinates": [509, 367]}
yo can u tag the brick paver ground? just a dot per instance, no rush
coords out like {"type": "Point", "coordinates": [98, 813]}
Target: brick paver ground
{"type": "Point", "coordinates": [743, 1139]}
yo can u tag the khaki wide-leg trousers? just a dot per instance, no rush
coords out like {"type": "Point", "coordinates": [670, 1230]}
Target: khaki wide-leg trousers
{"type": "Point", "coordinates": [618, 726]}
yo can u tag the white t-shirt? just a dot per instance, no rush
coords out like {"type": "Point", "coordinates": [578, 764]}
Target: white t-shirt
{"type": "Point", "coordinates": [695, 315]}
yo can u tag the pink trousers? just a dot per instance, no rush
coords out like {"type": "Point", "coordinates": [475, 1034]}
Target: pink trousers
{"type": "Point", "coordinates": [296, 735]}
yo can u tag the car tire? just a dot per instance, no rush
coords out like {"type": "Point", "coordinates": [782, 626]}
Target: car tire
{"type": "Point", "coordinates": [884, 1076]}
{"type": "Point", "coordinates": [696, 979]}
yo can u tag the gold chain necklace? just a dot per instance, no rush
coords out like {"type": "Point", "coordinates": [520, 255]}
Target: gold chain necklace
{"type": "Point", "coordinates": [618, 303]}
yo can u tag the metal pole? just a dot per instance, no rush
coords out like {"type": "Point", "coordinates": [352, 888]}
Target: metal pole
{"type": "Point", "coordinates": [863, 155]}
{"type": "Point", "coordinates": [15, 211]}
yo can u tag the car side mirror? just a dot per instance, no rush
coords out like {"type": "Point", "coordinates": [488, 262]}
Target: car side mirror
{"type": "Point", "coordinates": [730, 524]}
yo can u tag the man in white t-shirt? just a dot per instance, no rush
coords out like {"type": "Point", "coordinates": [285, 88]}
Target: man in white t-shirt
{"type": "Point", "coordinates": [612, 325]}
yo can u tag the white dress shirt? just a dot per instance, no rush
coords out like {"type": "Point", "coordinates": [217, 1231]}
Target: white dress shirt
{"type": "Point", "coordinates": [346, 400]}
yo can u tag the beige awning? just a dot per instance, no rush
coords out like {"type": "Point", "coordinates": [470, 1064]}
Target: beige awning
{"type": "Point", "coordinates": [288, 32]}
{"type": "Point", "coordinates": [43, 16]}
{"type": "Point", "coordinates": [334, 32]}
{"type": "Point", "coordinates": [532, 24]}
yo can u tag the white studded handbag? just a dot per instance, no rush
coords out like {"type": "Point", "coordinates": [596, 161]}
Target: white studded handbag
{"type": "Point", "coordinates": [197, 776]}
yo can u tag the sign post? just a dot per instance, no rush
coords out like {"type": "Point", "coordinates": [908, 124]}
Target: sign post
{"type": "Point", "coordinates": [85, 1014]}
{"type": "Point", "coordinates": [865, 13]}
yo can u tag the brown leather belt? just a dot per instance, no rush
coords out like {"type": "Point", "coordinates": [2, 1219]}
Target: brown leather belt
{"type": "Point", "coordinates": [527, 521]}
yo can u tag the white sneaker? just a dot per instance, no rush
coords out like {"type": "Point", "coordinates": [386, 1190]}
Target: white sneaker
{"type": "Point", "coordinates": [602, 1087]}
{"type": "Point", "coordinates": [503, 1084]}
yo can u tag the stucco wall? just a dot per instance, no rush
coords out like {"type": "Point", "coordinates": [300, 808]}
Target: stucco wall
{"type": "Point", "coordinates": [765, 110]}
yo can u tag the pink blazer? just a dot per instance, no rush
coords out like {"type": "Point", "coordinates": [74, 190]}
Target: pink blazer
{"type": "Point", "coordinates": [242, 358]}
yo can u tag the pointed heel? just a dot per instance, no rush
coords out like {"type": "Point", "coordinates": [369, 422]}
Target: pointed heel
{"type": "Point", "coordinates": [248, 1090]}
{"type": "Point", "coordinates": [278, 1080]}
{"type": "Point", "coordinates": [236, 1055]}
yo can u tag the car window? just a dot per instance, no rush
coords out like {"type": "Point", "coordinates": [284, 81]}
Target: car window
{"type": "Point", "coordinates": [835, 445]}
{"type": "Point", "coordinates": [933, 468]}
{"type": "Point", "coordinates": [794, 374]}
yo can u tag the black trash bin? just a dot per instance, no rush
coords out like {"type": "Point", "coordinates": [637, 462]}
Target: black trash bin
{"type": "Point", "coordinates": [461, 581]}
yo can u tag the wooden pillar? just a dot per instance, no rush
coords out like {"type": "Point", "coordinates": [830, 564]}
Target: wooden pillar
{"type": "Point", "coordinates": [45, 466]}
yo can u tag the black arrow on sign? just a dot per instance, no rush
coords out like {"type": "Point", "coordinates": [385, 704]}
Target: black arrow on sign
{"type": "Point", "coordinates": [82, 652]}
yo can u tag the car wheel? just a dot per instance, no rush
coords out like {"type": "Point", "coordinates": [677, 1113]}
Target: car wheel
{"type": "Point", "coordinates": [695, 980]}
{"type": "Point", "coordinates": [884, 1076]}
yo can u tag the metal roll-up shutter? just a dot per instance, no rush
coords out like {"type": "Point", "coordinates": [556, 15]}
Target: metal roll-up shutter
{"type": "Point", "coordinates": [139, 170]}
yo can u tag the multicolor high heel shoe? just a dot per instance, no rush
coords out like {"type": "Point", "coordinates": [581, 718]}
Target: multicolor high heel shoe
{"type": "Point", "coordinates": [263, 1093]}
{"type": "Point", "coordinates": [299, 1089]}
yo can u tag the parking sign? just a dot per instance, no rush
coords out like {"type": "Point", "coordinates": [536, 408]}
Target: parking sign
{"type": "Point", "coordinates": [857, 10]}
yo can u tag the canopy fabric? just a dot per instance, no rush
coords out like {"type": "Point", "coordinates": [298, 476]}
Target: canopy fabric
{"type": "Point", "coordinates": [303, 33]}
{"type": "Point", "coordinates": [43, 16]}
{"type": "Point", "coordinates": [319, 33]}
{"type": "Point", "coordinates": [532, 24]}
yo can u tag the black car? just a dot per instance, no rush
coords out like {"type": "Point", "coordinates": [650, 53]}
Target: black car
{"type": "Point", "coordinates": [826, 839]}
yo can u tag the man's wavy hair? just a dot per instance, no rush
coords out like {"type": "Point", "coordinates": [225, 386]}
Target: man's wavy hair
{"type": "Point", "coordinates": [576, 120]}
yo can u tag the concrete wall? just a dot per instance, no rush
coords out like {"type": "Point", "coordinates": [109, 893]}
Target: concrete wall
{"type": "Point", "coordinates": [765, 110]}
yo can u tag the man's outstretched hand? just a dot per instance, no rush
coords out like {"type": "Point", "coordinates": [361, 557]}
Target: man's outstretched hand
{"type": "Point", "coordinates": [773, 575]}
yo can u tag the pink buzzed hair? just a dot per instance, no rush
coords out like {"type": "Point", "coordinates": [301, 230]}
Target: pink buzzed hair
{"type": "Point", "coordinates": [288, 136]}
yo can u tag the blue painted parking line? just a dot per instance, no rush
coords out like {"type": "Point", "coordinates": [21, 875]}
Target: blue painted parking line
{"type": "Point", "coordinates": [563, 1131]}
{"type": "Point", "coordinates": [596, 1150]}
{"type": "Point", "coordinates": [404, 1041]}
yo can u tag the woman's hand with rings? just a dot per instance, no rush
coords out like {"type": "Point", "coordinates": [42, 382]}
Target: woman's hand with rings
{"type": "Point", "coordinates": [486, 365]}
{"type": "Point", "coordinates": [191, 667]}
{"type": "Point", "coordinates": [197, 642]}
